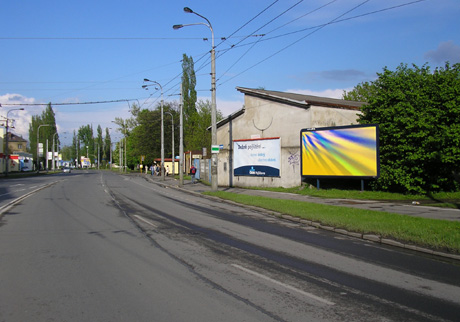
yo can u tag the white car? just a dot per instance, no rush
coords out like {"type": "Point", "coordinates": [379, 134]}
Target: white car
{"type": "Point", "coordinates": [66, 170]}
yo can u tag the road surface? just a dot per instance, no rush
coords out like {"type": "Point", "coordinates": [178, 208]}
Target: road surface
{"type": "Point", "coordinates": [105, 247]}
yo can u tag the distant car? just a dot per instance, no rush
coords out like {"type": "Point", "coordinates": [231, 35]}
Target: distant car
{"type": "Point", "coordinates": [66, 170]}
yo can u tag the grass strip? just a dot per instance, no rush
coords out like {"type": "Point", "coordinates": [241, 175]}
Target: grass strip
{"type": "Point", "coordinates": [435, 234]}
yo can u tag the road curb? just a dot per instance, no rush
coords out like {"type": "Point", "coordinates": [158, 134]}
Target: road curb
{"type": "Point", "coordinates": [368, 237]}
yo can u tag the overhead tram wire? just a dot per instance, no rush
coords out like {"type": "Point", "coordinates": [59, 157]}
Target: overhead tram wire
{"type": "Point", "coordinates": [295, 42]}
{"type": "Point", "coordinates": [331, 23]}
{"type": "Point", "coordinates": [248, 22]}
{"type": "Point", "coordinates": [207, 62]}
{"type": "Point", "coordinates": [69, 103]}
{"type": "Point", "coordinates": [316, 28]}
{"type": "Point", "coordinates": [266, 24]}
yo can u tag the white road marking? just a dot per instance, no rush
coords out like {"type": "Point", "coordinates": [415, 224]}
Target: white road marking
{"type": "Point", "coordinates": [289, 287]}
{"type": "Point", "coordinates": [148, 222]}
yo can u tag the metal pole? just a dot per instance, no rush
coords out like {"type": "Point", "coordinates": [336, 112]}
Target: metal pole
{"type": "Point", "coordinates": [162, 170]}
{"type": "Point", "coordinates": [162, 139]}
{"type": "Point", "coordinates": [6, 149]}
{"type": "Point", "coordinates": [111, 155]}
{"type": "Point", "coordinates": [213, 116]}
{"type": "Point", "coordinates": [181, 141]}
{"type": "Point", "coordinates": [172, 122]}
{"type": "Point", "coordinates": [213, 92]}
{"type": "Point", "coordinates": [52, 157]}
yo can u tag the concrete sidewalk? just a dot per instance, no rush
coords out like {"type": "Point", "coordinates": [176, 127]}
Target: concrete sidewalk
{"type": "Point", "coordinates": [403, 208]}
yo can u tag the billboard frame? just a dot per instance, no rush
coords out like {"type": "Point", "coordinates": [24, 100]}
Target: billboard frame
{"type": "Point", "coordinates": [338, 128]}
{"type": "Point", "coordinates": [258, 169]}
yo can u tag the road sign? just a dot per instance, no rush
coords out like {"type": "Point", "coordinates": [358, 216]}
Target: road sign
{"type": "Point", "coordinates": [214, 149]}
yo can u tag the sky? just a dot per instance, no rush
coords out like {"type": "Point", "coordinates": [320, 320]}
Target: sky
{"type": "Point", "coordinates": [94, 55]}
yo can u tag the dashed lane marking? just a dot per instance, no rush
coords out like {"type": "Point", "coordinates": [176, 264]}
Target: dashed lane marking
{"type": "Point", "coordinates": [289, 287]}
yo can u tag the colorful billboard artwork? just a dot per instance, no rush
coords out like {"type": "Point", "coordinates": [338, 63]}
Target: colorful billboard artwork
{"type": "Point", "coordinates": [342, 151]}
{"type": "Point", "coordinates": [257, 157]}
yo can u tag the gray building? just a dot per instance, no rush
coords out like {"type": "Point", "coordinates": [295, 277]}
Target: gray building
{"type": "Point", "coordinates": [276, 117]}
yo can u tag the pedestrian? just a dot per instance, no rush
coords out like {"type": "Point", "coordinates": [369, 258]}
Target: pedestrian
{"type": "Point", "coordinates": [193, 172]}
{"type": "Point", "coordinates": [167, 170]}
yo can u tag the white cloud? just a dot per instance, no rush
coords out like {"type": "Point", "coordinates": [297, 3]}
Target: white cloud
{"type": "Point", "coordinates": [447, 51]}
{"type": "Point", "coordinates": [19, 120]}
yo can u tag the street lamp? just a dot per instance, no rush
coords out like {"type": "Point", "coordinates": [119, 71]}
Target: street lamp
{"type": "Point", "coordinates": [173, 157]}
{"type": "Point", "coordinates": [52, 158]}
{"type": "Point", "coordinates": [6, 139]}
{"type": "Point", "coordinates": [121, 146]}
{"type": "Point", "coordinates": [213, 91]}
{"type": "Point", "coordinates": [38, 132]}
{"type": "Point", "coordinates": [162, 127]}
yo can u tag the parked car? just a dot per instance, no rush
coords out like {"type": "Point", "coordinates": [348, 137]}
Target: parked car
{"type": "Point", "coordinates": [66, 170]}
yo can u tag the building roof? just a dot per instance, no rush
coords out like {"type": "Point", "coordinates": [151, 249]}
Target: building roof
{"type": "Point", "coordinates": [301, 100]}
{"type": "Point", "coordinates": [15, 138]}
{"type": "Point", "coordinates": [293, 99]}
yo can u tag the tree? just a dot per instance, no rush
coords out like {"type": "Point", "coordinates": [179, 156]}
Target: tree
{"type": "Point", "coordinates": [46, 124]}
{"type": "Point", "coordinates": [418, 113]}
{"type": "Point", "coordinates": [145, 138]}
{"type": "Point", "coordinates": [107, 147]}
{"type": "Point", "coordinates": [98, 144]}
{"type": "Point", "coordinates": [201, 137]}
{"type": "Point", "coordinates": [188, 99]}
{"type": "Point", "coordinates": [361, 93]}
{"type": "Point", "coordinates": [85, 134]}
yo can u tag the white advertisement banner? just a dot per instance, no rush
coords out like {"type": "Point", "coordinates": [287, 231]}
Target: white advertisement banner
{"type": "Point", "coordinates": [257, 157]}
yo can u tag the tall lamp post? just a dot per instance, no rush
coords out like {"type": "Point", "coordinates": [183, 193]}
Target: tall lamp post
{"type": "Point", "coordinates": [213, 91]}
{"type": "Point", "coordinates": [173, 157]}
{"type": "Point", "coordinates": [162, 128]}
{"type": "Point", "coordinates": [57, 149]}
{"type": "Point", "coordinates": [38, 155]}
{"type": "Point", "coordinates": [6, 139]}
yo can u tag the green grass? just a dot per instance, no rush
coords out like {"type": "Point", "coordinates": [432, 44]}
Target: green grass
{"type": "Point", "coordinates": [442, 199]}
{"type": "Point", "coordinates": [431, 233]}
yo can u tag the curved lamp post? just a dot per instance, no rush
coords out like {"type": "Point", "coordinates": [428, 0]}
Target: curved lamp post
{"type": "Point", "coordinates": [213, 91]}
{"type": "Point", "coordinates": [6, 140]}
{"type": "Point", "coordinates": [162, 127]}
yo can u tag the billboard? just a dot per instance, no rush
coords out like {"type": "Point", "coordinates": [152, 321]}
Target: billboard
{"type": "Point", "coordinates": [342, 151]}
{"type": "Point", "coordinates": [257, 157]}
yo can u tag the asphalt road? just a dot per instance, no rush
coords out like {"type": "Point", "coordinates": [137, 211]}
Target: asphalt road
{"type": "Point", "coordinates": [103, 247]}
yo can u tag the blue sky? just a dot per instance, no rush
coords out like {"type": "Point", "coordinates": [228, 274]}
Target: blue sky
{"type": "Point", "coordinates": [95, 51]}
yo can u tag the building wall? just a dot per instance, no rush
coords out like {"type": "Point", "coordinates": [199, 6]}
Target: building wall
{"type": "Point", "coordinates": [264, 119]}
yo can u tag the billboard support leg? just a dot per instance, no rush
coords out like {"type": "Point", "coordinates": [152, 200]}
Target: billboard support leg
{"type": "Point", "coordinates": [362, 185]}
{"type": "Point", "coordinates": [317, 184]}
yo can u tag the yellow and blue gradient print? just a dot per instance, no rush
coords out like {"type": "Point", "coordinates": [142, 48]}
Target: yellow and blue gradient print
{"type": "Point", "coordinates": [340, 152]}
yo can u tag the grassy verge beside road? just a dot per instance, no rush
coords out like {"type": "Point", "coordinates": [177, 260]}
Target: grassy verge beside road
{"type": "Point", "coordinates": [441, 199]}
{"type": "Point", "coordinates": [439, 235]}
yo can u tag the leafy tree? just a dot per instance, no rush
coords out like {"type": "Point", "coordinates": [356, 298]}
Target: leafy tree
{"type": "Point", "coordinates": [98, 144]}
{"type": "Point", "coordinates": [46, 132]}
{"type": "Point", "coordinates": [145, 138]}
{"type": "Point", "coordinates": [107, 147]}
{"type": "Point", "coordinates": [361, 93]}
{"type": "Point", "coordinates": [85, 134]}
{"type": "Point", "coordinates": [202, 121]}
{"type": "Point", "coordinates": [418, 112]}
{"type": "Point", "coordinates": [189, 99]}
{"type": "Point", "coordinates": [76, 148]}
